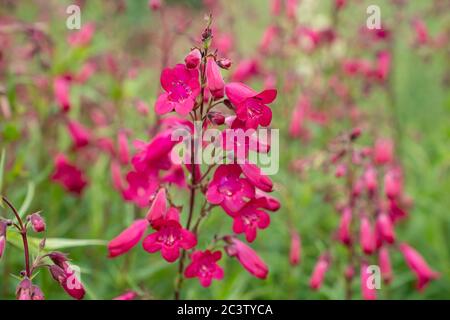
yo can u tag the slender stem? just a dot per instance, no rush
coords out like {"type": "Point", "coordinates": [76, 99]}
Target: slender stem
{"type": "Point", "coordinates": [23, 233]}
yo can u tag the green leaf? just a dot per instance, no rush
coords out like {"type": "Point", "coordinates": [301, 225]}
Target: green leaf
{"type": "Point", "coordinates": [59, 243]}
{"type": "Point", "coordinates": [28, 198]}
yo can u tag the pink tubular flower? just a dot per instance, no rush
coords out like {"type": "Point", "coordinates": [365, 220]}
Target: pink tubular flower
{"type": "Point", "coordinates": [82, 37]}
{"type": "Point", "coordinates": [344, 227]}
{"type": "Point", "coordinates": [27, 291]}
{"type": "Point", "coordinates": [80, 134]}
{"type": "Point", "coordinates": [116, 176]}
{"type": "Point", "coordinates": [245, 70]}
{"type": "Point", "coordinates": [256, 177]}
{"type": "Point", "coordinates": [182, 87]}
{"type": "Point", "coordinates": [3, 227]}
{"type": "Point", "coordinates": [251, 107]}
{"type": "Point", "coordinates": [393, 183]}
{"type": "Point", "coordinates": [158, 209]}
{"type": "Point", "coordinates": [249, 219]}
{"type": "Point", "coordinates": [204, 266]}
{"type": "Point", "coordinates": [385, 265]}
{"type": "Point", "coordinates": [142, 187]}
{"type": "Point", "coordinates": [154, 5]}
{"type": "Point", "coordinates": [367, 292]}
{"type": "Point", "coordinates": [421, 31]}
{"type": "Point", "coordinates": [370, 178]}
{"type": "Point", "coordinates": [247, 257]}
{"type": "Point", "coordinates": [267, 201]}
{"type": "Point", "coordinates": [66, 275]}
{"type": "Point", "coordinates": [170, 237]}
{"type": "Point", "coordinates": [318, 274]}
{"type": "Point", "coordinates": [129, 295]}
{"type": "Point", "coordinates": [291, 8]}
{"type": "Point", "coordinates": [37, 222]}
{"type": "Point", "coordinates": [126, 240]}
{"type": "Point", "coordinates": [418, 265]}
{"type": "Point", "coordinates": [385, 228]}
{"type": "Point", "coordinates": [228, 189]}
{"type": "Point", "coordinates": [193, 59]}
{"type": "Point", "coordinates": [61, 89]}
{"type": "Point", "coordinates": [366, 236]}
{"type": "Point", "coordinates": [383, 65]}
{"type": "Point", "coordinates": [214, 78]}
{"type": "Point", "coordinates": [68, 175]}
{"type": "Point", "coordinates": [275, 7]}
{"type": "Point", "coordinates": [122, 148]}
{"type": "Point", "coordinates": [383, 151]}
{"type": "Point", "coordinates": [295, 250]}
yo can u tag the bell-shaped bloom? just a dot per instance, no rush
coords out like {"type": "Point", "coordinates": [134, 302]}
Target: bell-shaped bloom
{"type": "Point", "coordinates": [123, 151]}
{"type": "Point", "coordinates": [175, 175]}
{"type": "Point", "coordinates": [383, 152]}
{"type": "Point", "coordinates": [155, 155]}
{"type": "Point", "coordinates": [291, 8]}
{"type": "Point", "coordinates": [214, 78]}
{"type": "Point", "coordinates": [251, 107]}
{"type": "Point", "coordinates": [370, 179]}
{"type": "Point", "coordinates": [254, 174]}
{"type": "Point", "coordinates": [295, 249]}
{"type": "Point", "coordinates": [68, 175]}
{"type": "Point", "coordinates": [182, 87]}
{"type": "Point", "coordinates": [393, 183]}
{"type": "Point", "coordinates": [249, 219]}
{"type": "Point", "coordinates": [385, 264]}
{"type": "Point", "coordinates": [228, 189]}
{"type": "Point", "coordinates": [158, 209]}
{"type": "Point", "coordinates": [344, 233]}
{"type": "Point", "coordinates": [27, 291]}
{"type": "Point", "coordinates": [385, 228]}
{"type": "Point", "coordinates": [142, 187]}
{"type": "Point", "coordinates": [247, 257]}
{"type": "Point", "coordinates": [128, 238]}
{"type": "Point", "coordinates": [82, 37]}
{"type": "Point", "coordinates": [418, 265]}
{"type": "Point", "coordinates": [193, 59]}
{"type": "Point", "coordinates": [366, 236]}
{"type": "Point", "coordinates": [170, 237]}
{"type": "Point", "coordinates": [129, 295]}
{"type": "Point", "coordinates": [66, 276]}
{"type": "Point", "coordinates": [3, 227]}
{"type": "Point", "coordinates": [368, 290]}
{"type": "Point", "coordinates": [37, 222]}
{"type": "Point", "coordinates": [204, 266]}
{"type": "Point", "coordinates": [80, 134]}
{"type": "Point", "coordinates": [319, 272]}
{"type": "Point", "coordinates": [61, 88]}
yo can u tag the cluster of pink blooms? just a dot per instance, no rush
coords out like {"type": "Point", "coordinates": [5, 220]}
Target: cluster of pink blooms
{"type": "Point", "coordinates": [197, 89]}
{"type": "Point", "coordinates": [376, 204]}
{"type": "Point", "coordinates": [56, 262]}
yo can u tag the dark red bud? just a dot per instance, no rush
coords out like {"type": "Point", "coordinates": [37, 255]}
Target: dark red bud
{"type": "Point", "coordinates": [224, 63]}
{"type": "Point", "coordinates": [37, 222]}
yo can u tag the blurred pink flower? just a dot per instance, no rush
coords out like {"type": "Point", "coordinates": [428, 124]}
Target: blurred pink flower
{"type": "Point", "coordinates": [367, 292]}
{"type": "Point", "coordinates": [366, 236]}
{"type": "Point", "coordinates": [319, 271]}
{"type": "Point", "coordinates": [61, 87]}
{"type": "Point", "coordinates": [82, 37]}
{"type": "Point", "coordinates": [68, 175]}
{"type": "Point", "coordinates": [80, 134]}
{"type": "Point", "coordinates": [204, 266]}
{"type": "Point", "coordinates": [385, 264]}
{"type": "Point", "coordinates": [295, 250]}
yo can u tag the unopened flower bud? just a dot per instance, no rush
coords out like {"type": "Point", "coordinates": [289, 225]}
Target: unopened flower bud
{"type": "Point", "coordinates": [224, 63]}
{"type": "Point", "coordinates": [216, 118]}
{"type": "Point", "coordinates": [37, 222]}
{"type": "Point", "coordinates": [3, 227]}
{"type": "Point", "coordinates": [193, 59]}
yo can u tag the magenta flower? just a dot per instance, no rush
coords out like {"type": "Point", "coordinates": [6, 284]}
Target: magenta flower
{"type": "Point", "coordinates": [170, 237]}
{"type": "Point", "coordinates": [228, 189]}
{"type": "Point", "coordinates": [247, 257]}
{"type": "Point", "coordinates": [80, 134]}
{"type": "Point", "coordinates": [319, 271]}
{"type": "Point", "coordinates": [214, 78]}
{"type": "Point", "coordinates": [68, 175]}
{"type": "Point", "coordinates": [129, 295]}
{"type": "Point", "coordinates": [367, 292]}
{"type": "Point", "coordinates": [385, 264]}
{"type": "Point", "coordinates": [154, 155]}
{"type": "Point", "coordinates": [253, 173]}
{"type": "Point", "coordinates": [142, 187]}
{"type": "Point", "coordinates": [3, 227]}
{"type": "Point", "coordinates": [123, 151]}
{"type": "Point", "coordinates": [418, 265]}
{"type": "Point", "coordinates": [251, 107]}
{"type": "Point", "coordinates": [61, 87]}
{"type": "Point", "coordinates": [295, 250]}
{"type": "Point", "coordinates": [37, 222]}
{"type": "Point", "coordinates": [65, 274]}
{"type": "Point", "coordinates": [204, 266]}
{"type": "Point", "coordinates": [27, 291]}
{"type": "Point", "coordinates": [366, 236]}
{"type": "Point", "coordinates": [182, 87]}
{"type": "Point", "coordinates": [128, 238]}
{"type": "Point", "coordinates": [158, 209]}
{"type": "Point", "coordinates": [344, 233]}
{"type": "Point", "coordinates": [83, 37]}
{"type": "Point", "coordinates": [249, 219]}
{"type": "Point", "coordinates": [245, 70]}
{"type": "Point", "coordinates": [193, 59]}
{"type": "Point", "coordinates": [385, 228]}
{"type": "Point", "coordinates": [267, 201]}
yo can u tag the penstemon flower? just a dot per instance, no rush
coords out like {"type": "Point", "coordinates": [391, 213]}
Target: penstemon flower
{"type": "Point", "coordinates": [57, 263]}
{"type": "Point", "coordinates": [197, 93]}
